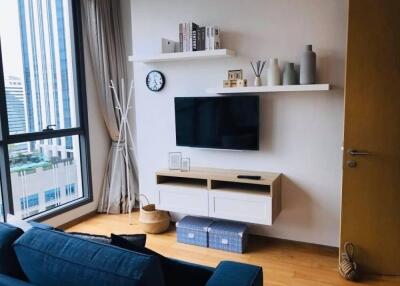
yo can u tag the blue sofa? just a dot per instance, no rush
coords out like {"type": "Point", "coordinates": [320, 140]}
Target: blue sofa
{"type": "Point", "coordinates": [46, 257]}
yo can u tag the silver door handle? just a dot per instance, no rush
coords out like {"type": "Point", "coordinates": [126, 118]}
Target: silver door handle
{"type": "Point", "coordinates": [353, 152]}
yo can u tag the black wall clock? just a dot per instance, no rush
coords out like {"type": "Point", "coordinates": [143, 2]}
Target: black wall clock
{"type": "Point", "coordinates": [155, 80]}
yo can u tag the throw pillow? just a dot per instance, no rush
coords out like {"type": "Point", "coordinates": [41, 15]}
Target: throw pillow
{"type": "Point", "coordinates": [176, 273]}
{"type": "Point", "coordinates": [136, 239]}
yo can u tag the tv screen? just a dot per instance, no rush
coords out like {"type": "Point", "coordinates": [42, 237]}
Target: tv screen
{"type": "Point", "coordinates": [217, 122]}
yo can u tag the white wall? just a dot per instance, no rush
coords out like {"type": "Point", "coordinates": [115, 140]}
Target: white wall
{"type": "Point", "coordinates": [301, 133]}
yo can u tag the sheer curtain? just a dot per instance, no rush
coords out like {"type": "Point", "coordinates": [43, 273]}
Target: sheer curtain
{"type": "Point", "coordinates": [103, 33]}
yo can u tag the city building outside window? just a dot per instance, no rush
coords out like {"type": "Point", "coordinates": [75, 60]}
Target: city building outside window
{"type": "Point", "coordinates": [44, 133]}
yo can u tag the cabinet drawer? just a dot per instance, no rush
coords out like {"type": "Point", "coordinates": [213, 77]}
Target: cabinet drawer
{"type": "Point", "coordinates": [183, 200]}
{"type": "Point", "coordinates": [252, 208]}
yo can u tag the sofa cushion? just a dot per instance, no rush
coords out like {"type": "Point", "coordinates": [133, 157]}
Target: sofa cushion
{"type": "Point", "coordinates": [54, 258]}
{"type": "Point", "coordinates": [8, 261]}
{"type": "Point", "coordinates": [9, 281]}
{"type": "Point", "coordinates": [176, 273]}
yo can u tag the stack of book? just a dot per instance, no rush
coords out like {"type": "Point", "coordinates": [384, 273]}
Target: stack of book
{"type": "Point", "coordinates": [193, 38]}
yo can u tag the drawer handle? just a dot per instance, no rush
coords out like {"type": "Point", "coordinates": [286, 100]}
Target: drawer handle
{"type": "Point", "coordinates": [224, 241]}
{"type": "Point", "coordinates": [190, 235]}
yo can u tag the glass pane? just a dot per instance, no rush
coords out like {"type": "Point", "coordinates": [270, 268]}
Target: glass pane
{"type": "Point", "coordinates": [1, 206]}
{"type": "Point", "coordinates": [38, 58]}
{"type": "Point", "coordinates": [45, 175]}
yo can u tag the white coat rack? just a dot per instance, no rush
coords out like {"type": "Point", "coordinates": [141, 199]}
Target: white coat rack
{"type": "Point", "coordinates": [123, 107]}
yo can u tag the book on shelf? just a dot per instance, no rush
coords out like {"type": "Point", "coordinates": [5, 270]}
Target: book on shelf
{"type": "Point", "coordinates": [213, 41]}
{"type": "Point", "coordinates": [192, 37]}
{"type": "Point", "coordinates": [181, 37]}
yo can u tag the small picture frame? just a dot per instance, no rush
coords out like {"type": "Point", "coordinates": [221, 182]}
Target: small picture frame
{"type": "Point", "coordinates": [185, 165]}
{"type": "Point", "coordinates": [175, 160]}
{"type": "Point", "coordinates": [235, 74]}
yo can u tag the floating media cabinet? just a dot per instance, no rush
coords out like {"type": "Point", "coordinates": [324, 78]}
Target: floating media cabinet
{"type": "Point", "coordinates": [220, 194]}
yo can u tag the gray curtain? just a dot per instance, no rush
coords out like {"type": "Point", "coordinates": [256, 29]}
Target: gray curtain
{"type": "Point", "coordinates": [102, 29]}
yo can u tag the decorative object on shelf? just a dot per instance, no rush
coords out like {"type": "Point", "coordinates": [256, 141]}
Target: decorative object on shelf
{"type": "Point", "coordinates": [168, 46]}
{"type": "Point", "coordinates": [257, 71]}
{"type": "Point", "coordinates": [308, 66]}
{"type": "Point", "coordinates": [273, 73]}
{"type": "Point", "coordinates": [185, 165]}
{"type": "Point", "coordinates": [235, 79]}
{"type": "Point", "coordinates": [152, 220]}
{"type": "Point", "coordinates": [155, 80]}
{"type": "Point", "coordinates": [257, 81]}
{"type": "Point", "coordinates": [241, 83]}
{"type": "Point", "coordinates": [229, 83]}
{"type": "Point", "coordinates": [235, 74]}
{"type": "Point", "coordinates": [175, 161]}
{"type": "Point", "coordinates": [289, 75]}
{"type": "Point", "coordinates": [347, 266]}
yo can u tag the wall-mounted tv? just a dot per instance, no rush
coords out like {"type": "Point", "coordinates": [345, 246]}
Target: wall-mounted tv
{"type": "Point", "coordinates": [230, 122]}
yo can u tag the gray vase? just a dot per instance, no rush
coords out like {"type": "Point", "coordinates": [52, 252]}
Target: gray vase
{"type": "Point", "coordinates": [289, 75]}
{"type": "Point", "coordinates": [308, 66]}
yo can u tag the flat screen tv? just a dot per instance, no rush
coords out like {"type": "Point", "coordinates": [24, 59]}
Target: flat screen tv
{"type": "Point", "coordinates": [230, 122]}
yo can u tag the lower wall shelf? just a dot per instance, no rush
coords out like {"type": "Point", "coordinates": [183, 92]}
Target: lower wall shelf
{"type": "Point", "coordinates": [267, 89]}
{"type": "Point", "coordinates": [220, 194]}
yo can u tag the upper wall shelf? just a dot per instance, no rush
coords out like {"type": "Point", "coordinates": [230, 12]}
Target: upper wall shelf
{"type": "Point", "coordinates": [184, 56]}
{"type": "Point", "coordinates": [264, 89]}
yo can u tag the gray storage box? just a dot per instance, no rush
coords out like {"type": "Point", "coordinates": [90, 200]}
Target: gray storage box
{"type": "Point", "coordinates": [193, 230]}
{"type": "Point", "coordinates": [229, 236]}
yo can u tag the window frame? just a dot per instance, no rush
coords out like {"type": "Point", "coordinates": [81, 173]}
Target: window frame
{"type": "Point", "coordinates": [82, 131]}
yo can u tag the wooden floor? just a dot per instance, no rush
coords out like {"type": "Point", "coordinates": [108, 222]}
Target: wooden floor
{"type": "Point", "coordinates": [283, 262]}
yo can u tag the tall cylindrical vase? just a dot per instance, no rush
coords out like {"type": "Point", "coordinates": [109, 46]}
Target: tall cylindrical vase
{"type": "Point", "coordinates": [273, 73]}
{"type": "Point", "coordinates": [289, 75]}
{"type": "Point", "coordinates": [308, 66]}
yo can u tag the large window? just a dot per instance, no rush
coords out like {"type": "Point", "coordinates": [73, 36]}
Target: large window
{"type": "Point", "coordinates": [44, 151]}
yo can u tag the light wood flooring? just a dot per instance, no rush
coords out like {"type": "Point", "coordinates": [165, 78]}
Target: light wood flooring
{"type": "Point", "coordinates": [283, 262]}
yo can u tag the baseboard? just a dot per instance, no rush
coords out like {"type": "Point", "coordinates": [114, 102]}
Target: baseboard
{"type": "Point", "coordinates": [78, 220]}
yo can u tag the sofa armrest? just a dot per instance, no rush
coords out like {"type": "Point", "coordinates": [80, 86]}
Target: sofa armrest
{"type": "Point", "coordinates": [230, 273]}
{"type": "Point", "coordinates": [10, 281]}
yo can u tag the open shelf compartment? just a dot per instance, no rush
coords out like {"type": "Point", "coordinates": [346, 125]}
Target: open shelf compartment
{"type": "Point", "coordinates": [219, 185]}
{"type": "Point", "coordinates": [182, 181]}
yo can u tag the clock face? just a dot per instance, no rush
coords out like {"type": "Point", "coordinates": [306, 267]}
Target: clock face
{"type": "Point", "coordinates": [155, 81]}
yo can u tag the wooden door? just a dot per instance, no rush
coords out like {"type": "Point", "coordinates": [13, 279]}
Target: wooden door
{"type": "Point", "coordinates": [371, 182]}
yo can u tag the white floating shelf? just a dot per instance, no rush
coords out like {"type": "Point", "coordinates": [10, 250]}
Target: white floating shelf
{"type": "Point", "coordinates": [184, 56]}
{"type": "Point", "coordinates": [264, 89]}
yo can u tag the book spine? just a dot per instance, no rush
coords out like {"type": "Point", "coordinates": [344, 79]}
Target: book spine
{"type": "Point", "coordinates": [211, 43]}
{"type": "Point", "coordinates": [185, 37]}
{"type": "Point", "coordinates": [190, 36]}
{"type": "Point", "coordinates": [181, 37]}
{"type": "Point", "coordinates": [195, 29]}
{"type": "Point", "coordinates": [198, 39]}
{"type": "Point", "coordinates": [207, 38]}
{"type": "Point", "coordinates": [203, 38]}
{"type": "Point", "coordinates": [194, 39]}
{"type": "Point", "coordinates": [217, 41]}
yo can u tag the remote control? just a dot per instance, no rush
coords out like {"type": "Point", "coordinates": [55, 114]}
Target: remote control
{"type": "Point", "coordinates": [249, 177]}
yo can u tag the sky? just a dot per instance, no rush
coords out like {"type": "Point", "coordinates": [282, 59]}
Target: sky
{"type": "Point", "coordinates": [10, 38]}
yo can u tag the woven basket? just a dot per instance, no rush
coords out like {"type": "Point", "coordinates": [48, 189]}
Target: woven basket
{"type": "Point", "coordinates": [152, 220]}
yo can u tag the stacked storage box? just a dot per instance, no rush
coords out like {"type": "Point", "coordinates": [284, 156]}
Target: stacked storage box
{"type": "Point", "coordinates": [227, 235]}
{"type": "Point", "coordinates": [224, 235]}
{"type": "Point", "coordinates": [193, 230]}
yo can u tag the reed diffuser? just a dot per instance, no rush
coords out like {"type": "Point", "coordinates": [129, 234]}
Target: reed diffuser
{"type": "Point", "coordinates": [258, 68]}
